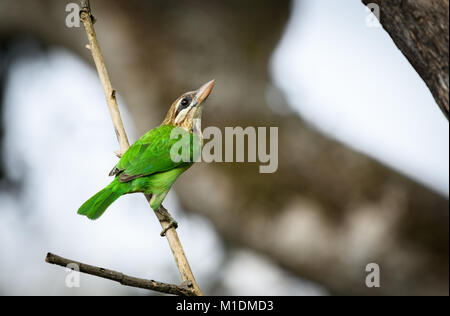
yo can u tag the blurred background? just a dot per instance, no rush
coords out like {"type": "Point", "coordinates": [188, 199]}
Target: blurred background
{"type": "Point", "coordinates": [363, 149]}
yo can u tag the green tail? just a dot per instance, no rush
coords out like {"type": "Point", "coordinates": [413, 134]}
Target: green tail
{"type": "Point", "coordinates": [97, 205]}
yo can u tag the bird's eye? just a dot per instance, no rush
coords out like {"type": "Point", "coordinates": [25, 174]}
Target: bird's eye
{"type": "Point", "coordinates": [185, 102]}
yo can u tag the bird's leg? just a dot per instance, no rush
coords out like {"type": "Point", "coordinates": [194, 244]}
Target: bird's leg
{"type": "Point", "coordinates": [156, 204]}
{"type": "Point", "coordinates": [167, 218]}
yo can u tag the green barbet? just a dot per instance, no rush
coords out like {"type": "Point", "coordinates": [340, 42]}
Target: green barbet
{"type": "Point", "coordinates": [148, 165]}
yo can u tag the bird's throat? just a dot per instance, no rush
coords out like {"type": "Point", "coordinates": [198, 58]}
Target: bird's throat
{"type": "Point", "coordinates": [197, 129]}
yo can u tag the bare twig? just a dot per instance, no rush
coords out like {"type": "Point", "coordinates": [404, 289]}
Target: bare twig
{"type": "Point", "coordinates": [171, 234]}
{"type": "Point", "coordinates": [120, 277]}
{"type": "Point", "coordinates": [172, 237]}
{"type": "Point", "coordinates": [110, 93]}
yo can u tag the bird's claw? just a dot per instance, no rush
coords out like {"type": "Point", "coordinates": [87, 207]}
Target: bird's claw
{"type": "Point", "coordinates": [166, 218]}
{"type": "Point", "coordinates": [172, 224]}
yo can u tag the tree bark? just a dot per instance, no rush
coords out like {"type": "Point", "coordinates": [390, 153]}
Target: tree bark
{"type": "Point", "coordinates": [419, 28]}
{"type": "Point", "coordinates": [120, 277]}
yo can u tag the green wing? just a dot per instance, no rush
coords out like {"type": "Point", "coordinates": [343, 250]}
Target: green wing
{"type": "Point", "coordinates": [148, 155]}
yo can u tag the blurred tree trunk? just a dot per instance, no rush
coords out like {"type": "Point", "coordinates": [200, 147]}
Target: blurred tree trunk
{"type": "Point", "coordinates": [420, 30]}
{"type": "Point", "coordinates": [328, 210]}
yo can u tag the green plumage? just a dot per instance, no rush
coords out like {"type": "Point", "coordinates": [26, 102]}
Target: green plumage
{"type": "Point", "coordinates": [96, 205]}
{"type": "Point", "coordinates": [145, 167]}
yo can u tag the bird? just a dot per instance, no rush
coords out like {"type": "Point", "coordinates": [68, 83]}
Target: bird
{"type": "Point", "coordinates": [148, 166]}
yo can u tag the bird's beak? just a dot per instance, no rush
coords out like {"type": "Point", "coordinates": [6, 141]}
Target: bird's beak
{"type": "Point", "coordinates": [203, 92]}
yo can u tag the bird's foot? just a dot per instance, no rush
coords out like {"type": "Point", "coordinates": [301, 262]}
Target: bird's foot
{"type": "Point", "coordinates": [166, 218]}
{"type": "Point", "coordinates": [172, 224]}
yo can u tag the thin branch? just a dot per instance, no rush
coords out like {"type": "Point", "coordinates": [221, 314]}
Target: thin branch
{"type": "Point", "coordinates": [172, 237]}
{"type": "Point", "coordinates": [171, 234]}
{"type": "Point", "coordinates": [120, 277]}
{"type": "Point", "coordinates": [110, 93]}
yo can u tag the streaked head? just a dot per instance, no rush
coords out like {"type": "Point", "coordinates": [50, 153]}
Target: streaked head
{"type": "Point", "coordinates": [188, 107]}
